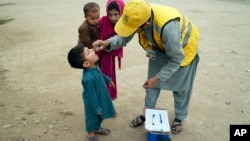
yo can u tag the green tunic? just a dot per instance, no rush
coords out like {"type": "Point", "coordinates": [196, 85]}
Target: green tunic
{"type": "Point", "coordinates": [96, 98]}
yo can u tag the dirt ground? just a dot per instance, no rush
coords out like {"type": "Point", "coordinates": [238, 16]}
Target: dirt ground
{"type": "Point", "coordinates": [40, 95]}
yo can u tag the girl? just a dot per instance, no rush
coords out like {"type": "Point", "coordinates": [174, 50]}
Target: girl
{"type": "Point", "coordinates": [114, 10]}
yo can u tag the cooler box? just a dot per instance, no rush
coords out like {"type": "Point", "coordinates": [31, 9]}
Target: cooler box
{"type": "Point", "coordinates": [158, 137]}
{"type": "Point", "coordinates": [157, 125]}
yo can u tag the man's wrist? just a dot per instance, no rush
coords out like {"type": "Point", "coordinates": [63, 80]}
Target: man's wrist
{"type": "Point", "coordinates": [157, 78]}
{"type": "Point", "coordinates": [107, 43]}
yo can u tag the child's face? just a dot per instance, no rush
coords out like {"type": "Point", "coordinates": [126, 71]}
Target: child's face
{"type": "Point", "coordinates": [93, 18]}
{"type": "Point", "coordinates": [90, 57]}
{"type": "Point", "coordinates": [113, 15]}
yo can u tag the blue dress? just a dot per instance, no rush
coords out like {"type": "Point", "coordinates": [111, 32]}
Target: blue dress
{"type": "Point", "coordinates": [96, 98]}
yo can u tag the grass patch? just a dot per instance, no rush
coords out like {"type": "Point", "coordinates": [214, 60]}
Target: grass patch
{"type": "Point", "coordinates": [6, 4]}
{"type": "Point", "coordinates": [4, 21]}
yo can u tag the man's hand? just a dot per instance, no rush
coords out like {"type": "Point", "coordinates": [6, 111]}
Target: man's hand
{"type": "Point", "coordinates": [151, 83]}
{"type": "Point", "coordinates": [100, 44]}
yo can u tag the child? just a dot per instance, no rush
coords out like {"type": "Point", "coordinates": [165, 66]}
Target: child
{"type": "Point", "coordinates": [97, 102]}
{"type": "Point", "coordinates": [88, 30]}
{"type": "Point", "coordinates": [114, 10]}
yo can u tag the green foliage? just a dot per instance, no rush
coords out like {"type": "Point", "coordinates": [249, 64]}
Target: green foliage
{"type": "Point", "coordinates": [4, 21]}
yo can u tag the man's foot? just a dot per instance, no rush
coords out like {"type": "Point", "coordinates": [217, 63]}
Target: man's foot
{"type": "Point", "coordinates": [176, 127]}
{"type": "Point", "coordinates": [139, 120]}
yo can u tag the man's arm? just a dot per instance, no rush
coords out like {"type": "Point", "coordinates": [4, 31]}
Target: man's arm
{"type": "Point", "coordinates": [111, 43]}
{"type": "Point", "coordinates": [118, 41]}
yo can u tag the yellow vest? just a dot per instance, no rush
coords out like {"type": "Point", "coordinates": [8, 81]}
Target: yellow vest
{"type": "Point", "coordinates": [189, 32]}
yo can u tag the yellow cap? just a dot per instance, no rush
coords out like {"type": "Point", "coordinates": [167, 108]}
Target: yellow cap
{"type": "Point", "coordinates": [135, 13]}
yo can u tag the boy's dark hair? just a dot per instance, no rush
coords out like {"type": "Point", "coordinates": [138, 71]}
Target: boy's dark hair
{"type": "Point", "coordinates": [90, 7]}
{"type": "Point", "coordinates": [113, 5]}
{"type": "Point", "coordinates": [75, 57]}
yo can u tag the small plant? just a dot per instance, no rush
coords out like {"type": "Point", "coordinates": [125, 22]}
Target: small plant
{"type": "Point", "coordinates": [4, 21]}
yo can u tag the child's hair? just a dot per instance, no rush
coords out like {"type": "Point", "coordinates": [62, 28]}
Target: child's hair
{"type": "Point", "coordinates": [91, 7]}
{"type": "Point", "coordinates": [75, 57]}
{"type": "Point", "coordinates": [113, 5]}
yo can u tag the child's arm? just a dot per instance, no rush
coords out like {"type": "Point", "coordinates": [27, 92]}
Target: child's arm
{"type": "Point", "coordinates": [108, 80]}
{"type": "Point", "coordinates": [84, 36]}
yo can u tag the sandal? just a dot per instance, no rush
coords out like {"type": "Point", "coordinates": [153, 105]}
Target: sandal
{"type": "Point", "coordinates": [103, 131]}
{"type": "Point", "coordinates": [93, 138]}
{"type": "Point", "coordinates": [176, 127]}
{"type": "Point", "coordinates": [139, 120]}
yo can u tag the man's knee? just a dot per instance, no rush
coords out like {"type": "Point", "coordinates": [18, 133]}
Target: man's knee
{"type": "Point", "coordinates": [150, 100]}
